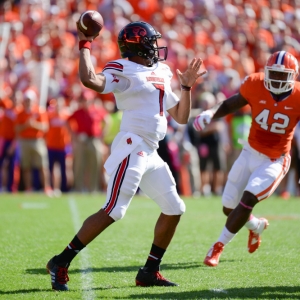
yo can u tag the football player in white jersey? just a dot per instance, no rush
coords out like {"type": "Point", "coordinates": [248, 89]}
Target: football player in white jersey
{"type": "Point", "coordinates": [142, 88]}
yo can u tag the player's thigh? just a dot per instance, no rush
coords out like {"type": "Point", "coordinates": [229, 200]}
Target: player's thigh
{"type": "Point", "coordinates": [123, 184]}
{"type": "Point", "coordinates": [160, 186]}
{"type": "Point", "coordinates": [237, 180]}
{"type": "Point", "coordinates": [267, 176]}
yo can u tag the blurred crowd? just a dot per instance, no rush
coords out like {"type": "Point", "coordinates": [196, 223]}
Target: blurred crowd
{"type": "Point", "coordinates": [55, 134]}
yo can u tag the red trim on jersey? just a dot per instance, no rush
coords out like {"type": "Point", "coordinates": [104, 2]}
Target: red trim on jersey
{"type": "Point", "coordinates": [117, 185]}
{"type": "Point", "coordinates": [114, 66]}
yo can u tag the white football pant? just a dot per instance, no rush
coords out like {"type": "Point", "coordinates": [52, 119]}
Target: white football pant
{"type": "Point", "coordinates": [143, 168]}
{"type": "Point", "coordinates": [256, 173]}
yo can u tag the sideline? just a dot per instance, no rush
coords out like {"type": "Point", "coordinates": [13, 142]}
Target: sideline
{"type": "Point", "coordinates": [86, 275]}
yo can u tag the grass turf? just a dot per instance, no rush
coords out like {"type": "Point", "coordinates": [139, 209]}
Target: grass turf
{"type": "Point", "coordinates": [33, 228]}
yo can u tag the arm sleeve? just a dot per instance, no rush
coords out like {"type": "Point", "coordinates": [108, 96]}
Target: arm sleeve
{"type": "Point", "coordinates": [172, 100]}
{"type": "Point", "coordinates": [115, 84]}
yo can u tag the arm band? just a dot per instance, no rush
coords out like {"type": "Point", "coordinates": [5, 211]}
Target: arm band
{"type": "Point", "coordinates": [84, 44]}
{"type": "Point", "coordinates": [185, 88]}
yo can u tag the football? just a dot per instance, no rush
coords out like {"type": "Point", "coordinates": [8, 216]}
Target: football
{"type": "Point", "coordinates": [90, 22]}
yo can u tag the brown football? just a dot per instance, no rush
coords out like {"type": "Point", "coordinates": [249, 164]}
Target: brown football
{"type": "Point", "coordinates": [90, 22]}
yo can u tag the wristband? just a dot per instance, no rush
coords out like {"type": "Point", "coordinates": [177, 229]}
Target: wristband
{"type": "Point", "coordinates": [85, 44]}
{"type": "Point", "coordinates": [186, 88]}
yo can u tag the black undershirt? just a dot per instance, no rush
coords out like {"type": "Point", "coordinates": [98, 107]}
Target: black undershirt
{"type": "Point", "coordinates": [280, 97]}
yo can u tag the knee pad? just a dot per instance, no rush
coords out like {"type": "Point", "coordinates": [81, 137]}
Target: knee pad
{"type": "Point", "coordinates": [182, 208]}
{"type": "Point", "coordinates": [171, 204]}
{"type": "Point", "coordinates": [230, 197]}
{"type": "Point", "coordinates": [118, 213]}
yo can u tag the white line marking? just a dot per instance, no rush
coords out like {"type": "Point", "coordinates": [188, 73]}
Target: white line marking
{"type": "Point", "coordinates": [86, 276]}
{"type": "Point", "coordinates": [34, 205]}
{"type": "Point", "coordinates": [219, 291]}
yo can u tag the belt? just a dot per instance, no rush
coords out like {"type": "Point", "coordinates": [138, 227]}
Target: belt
{"type": "Point", "coordinates": [245, 143]}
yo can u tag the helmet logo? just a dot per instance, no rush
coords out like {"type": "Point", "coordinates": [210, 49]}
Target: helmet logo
{"type": "Point", "coordinates": [140, 31]}
{"type": "Point", "coordinates": [279, 67]}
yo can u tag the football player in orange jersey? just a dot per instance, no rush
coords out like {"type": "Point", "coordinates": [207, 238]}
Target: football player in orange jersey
{"type": "Point", "coordinates": [274, 99]}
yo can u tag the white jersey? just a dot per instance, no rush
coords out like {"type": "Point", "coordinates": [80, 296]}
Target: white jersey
{"type": "Point", "coordinates": [145, 100]}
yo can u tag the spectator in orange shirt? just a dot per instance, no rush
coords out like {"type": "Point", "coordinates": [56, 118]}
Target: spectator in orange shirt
{"type": "Point", "coordinates": [8, 153]}
{"type": "Point", "coordinates": [57, 140]}
{"type": "Point", "coordinates": [31, 126]}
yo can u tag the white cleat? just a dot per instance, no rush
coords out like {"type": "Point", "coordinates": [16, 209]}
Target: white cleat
{"type": "Point", "coordinates": [254, 239]}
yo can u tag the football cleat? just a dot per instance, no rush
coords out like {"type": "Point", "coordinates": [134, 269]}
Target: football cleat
{"type": "Point", "coordinates": [213, 255]}
{"type": "Point", "coordinates": [144, 278]}
{"type": "Point", "coordinates": [254, 239]}
{"type": "Point", "coordinates": [59, 275]}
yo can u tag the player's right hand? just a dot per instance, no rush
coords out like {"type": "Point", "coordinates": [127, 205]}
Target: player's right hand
{"type": "Point", "coordinates": [82, 36]}
{"type": "Point", "coordinates": [202, 120]}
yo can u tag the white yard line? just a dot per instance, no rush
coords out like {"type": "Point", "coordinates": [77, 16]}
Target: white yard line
{"type": "Point", "coordinates": [219, 291]}
{"type": "Point", "coordinates": [34, 205]}
{"type": "Point", "coordinates": [83, 256]}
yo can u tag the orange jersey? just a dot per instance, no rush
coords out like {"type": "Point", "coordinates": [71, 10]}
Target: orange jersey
{"type": "Point", "coordinates": [273, 123]}
{"type": "Point", "coordinates": [57, 137]}
{"type": "Point", "coordinates": [31, 133]}
{"type": "Point", "coordinates": [7, 130]}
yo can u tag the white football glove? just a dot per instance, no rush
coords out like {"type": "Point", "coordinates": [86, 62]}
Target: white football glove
{"type": "Point", "coordinates": [202, 120]}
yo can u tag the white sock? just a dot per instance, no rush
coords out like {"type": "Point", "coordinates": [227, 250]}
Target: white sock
{"type": "Point", "coordinates": [253, 223]}
{"type": "Point", "coordinates": [226, 236]}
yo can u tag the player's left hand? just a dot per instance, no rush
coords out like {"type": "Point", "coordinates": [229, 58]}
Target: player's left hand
{"type": "Point", "coordinates": [190, 76]}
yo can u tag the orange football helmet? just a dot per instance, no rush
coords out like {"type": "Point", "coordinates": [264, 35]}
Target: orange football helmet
{"type": "Point", "coordinates": [281, 71]}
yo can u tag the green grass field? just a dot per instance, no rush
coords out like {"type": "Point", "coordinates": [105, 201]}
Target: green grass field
{"type": "Point", "coordinates": [33, 228]}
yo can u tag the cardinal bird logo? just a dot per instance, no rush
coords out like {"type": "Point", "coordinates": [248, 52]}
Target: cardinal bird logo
{"type": "Point", "coordinates": [129, 141]}
{"type": "Point", "coordinates": [115, 79]}
{"type": "Point", "coordinates": [139, 31]}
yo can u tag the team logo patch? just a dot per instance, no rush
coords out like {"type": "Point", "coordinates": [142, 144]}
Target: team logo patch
{"type": "Point", "coordinates": [129, 141]}
{"type": "Point", "coordinates": [115, 79]}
